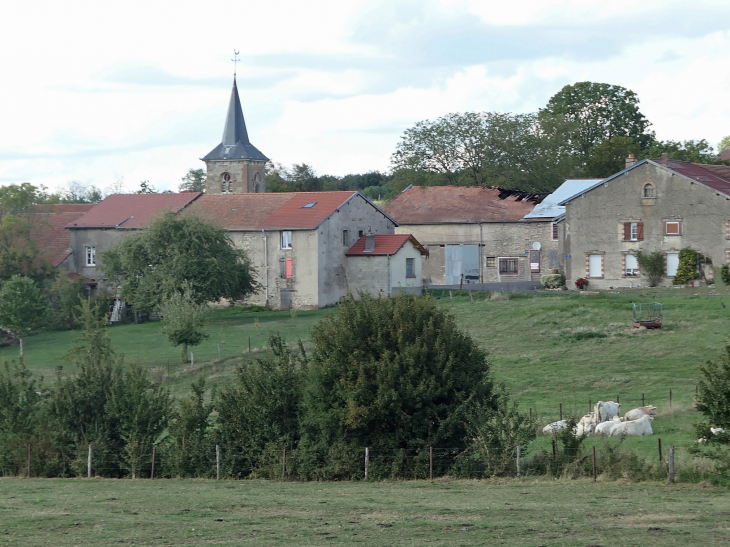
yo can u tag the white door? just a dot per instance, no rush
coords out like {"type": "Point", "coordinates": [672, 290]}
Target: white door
{"type": "Point", "coordinates": [453, 264]}
{"type": "Point", "coordinates": [672, 264]}
{"type": "Point", "coordinates": [594, 266]}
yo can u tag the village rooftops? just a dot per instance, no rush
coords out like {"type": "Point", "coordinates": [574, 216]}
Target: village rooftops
{"type": "Point", "coordinates": [132, 210]}
{"type": "Point", "coordinates": [385, 244]}
{"type": "Point", "coordinates": [457, 205]}
{"type": "Point", "coordinates": [49, 222]}
{"type": "Point", "coordinates": [271, 211]}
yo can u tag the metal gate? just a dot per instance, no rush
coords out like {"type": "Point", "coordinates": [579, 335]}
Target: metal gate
{"type": "Point", "coordinates": [462, 264]}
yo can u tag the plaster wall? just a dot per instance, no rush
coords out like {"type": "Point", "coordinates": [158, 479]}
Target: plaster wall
{"type": "Point", "coordinates": [101, 239]}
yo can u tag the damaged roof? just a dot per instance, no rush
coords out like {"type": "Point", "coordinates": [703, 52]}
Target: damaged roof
{"type": "Point", "coordinates": [550, 206]}
{"type": "Point", "coordinates": [132, 210]}
{"type": "Point", "coordinates": [385, 244]}
{"type": "Point", "coordinates": [457, 204]}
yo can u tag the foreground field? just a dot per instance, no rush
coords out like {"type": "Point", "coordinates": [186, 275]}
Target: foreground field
{"type": "Point", "coordinates": [59, 512]}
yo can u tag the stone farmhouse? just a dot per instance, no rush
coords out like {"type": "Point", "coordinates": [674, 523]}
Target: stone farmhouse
{"type": "Point", "coordinates": [652, 205]}
{"type": "Point", "coordinates": [477, 235]}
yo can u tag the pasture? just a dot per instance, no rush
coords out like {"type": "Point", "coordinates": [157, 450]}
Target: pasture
{"type": "Point", "coordinates": [59, 513]}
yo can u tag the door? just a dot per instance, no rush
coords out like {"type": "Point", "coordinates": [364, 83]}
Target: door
{"type": "Point", "coordinates": [453, 264]}
{"type": "Point", "coordinates": [672, 264]}
{"type": "Point", "coordinates": [462, 264]}
{"type": "Point", "coordinates": [595, 266]}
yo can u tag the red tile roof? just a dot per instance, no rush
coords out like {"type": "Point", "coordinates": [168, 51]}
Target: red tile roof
{"type": "Point", "coordinates": [455, 204]}
{"type": "Point", "coordinates": [49, 222]}
{"type": "Point", "coordinates": [724, 154]}
{"type": "Point", "coordinates": [293, 214]}
{"type": "Point", "coordinates": [385, 244]}
{"type": "Point", "coordinates": [132, 210]}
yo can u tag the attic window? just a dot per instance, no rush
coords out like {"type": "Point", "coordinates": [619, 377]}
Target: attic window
{"type": "Point", "coordinates": [310, 205]}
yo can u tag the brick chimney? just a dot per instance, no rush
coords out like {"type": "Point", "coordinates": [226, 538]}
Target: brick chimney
{"type": "Point", "coordinates": [665, 159]}
{"type": "Point", "coordinates": [369, 242]}
{"type": "Point", "coordinates": [631, 160]}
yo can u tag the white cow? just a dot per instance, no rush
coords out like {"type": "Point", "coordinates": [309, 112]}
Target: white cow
{"type": "Point", "coordinates": [717, 430]}
{"type": "Point", "coordinates": [605, 427]}
{"type": "Point", "coordinates": [636, 413]}
{"type": "Point", "coordinates": [642, 426]}
{"type": "Point", "coordinates": [605, 410]}
{"type": "Point", "coordinates": [554, 427]}
{"type": "Point", "coordinates": [586, 425]}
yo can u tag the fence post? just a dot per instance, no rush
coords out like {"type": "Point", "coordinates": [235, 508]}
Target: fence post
{"type": "Point", "coordinates": [594, 464]}
{"type": "Point", "coordinates": [283, 467]}
{"type": "Point", "coordinates": [217, 462]}
{"type": "Point", "coordinates": [29, 457]}
{"type": "Point", "coordinates": [618, 399]}
{"type": "Point", "coordinates": [642, 400]}
{"type": "Point", "coordinates": [590, 406]}
{"type": "Point", "coordinates": [519, 453]}
{"type": "Point", "coordinates": [154, 453]}
{"type": "Point", "coordinates": [219, 353]}
{"type": "Point", "coordinates": [531, 414]}
{"type": "Point", "coordinates": [660, 450]}
{"type": "Point", "coordinates": [561, 411]}
{"type": "Point", "coordinates": [554, 451]}
{"type": "Point", "coordinates": [670, 461]}
{"type": "Point", "coordinates": [451, 296]}
{"type": "Point", "coordinates": [367, 461]}
{"type": "Point", "coordinates": [430, 462]}
{"type": "Point", "coordinates": [471, 297]}
{"type": "Point", "coordinates": [192, 361]}
{"type": "Point", "coordinates": [88, 462]}
{"type": "Point", "coordinates": [670, 398]}
{"type": "Point", "coordinates": [249, 344]}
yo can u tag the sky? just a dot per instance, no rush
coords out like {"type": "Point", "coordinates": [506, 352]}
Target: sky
{"type": "Point", "coordinates": [110, 94]}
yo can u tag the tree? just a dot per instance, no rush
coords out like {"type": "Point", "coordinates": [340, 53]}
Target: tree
{"type": "Point", "coordinates": [193, 181]}
{"type": "Point", "coordinates": [183, 319]}
{"type": "Point", "coordinates": [713, 390]}
{"type": "Point", "coordinates": [485, 149]}
{"type": "Point", "coordinates": [652, 264]}
{"type": "Point", "coordinates": [146, 188]}
{"type": "Point", "coordinates": [597, 113]}
{"type": "Point", "coordinates": [19, 252]}
{"type": "Point", "coordinates": [724, 143]}
{"type": "Point", "coordinates": [609, 157]}
{"type": "Point", "coordinates": [154, 264]}
{"type": "Point", "coordinates": [391, 372]}
{"type": "Point", "coordinates": [80, 193]}
{"type": "Point", "coordinates": [22, 307]}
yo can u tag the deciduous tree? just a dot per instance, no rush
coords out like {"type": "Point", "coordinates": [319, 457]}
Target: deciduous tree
{"type": "Point", "coordinates": [22, 307]}
{"type": "Point", "coordinates": [184, 319]}
{"type": "Point", "coordinates": [193, 181]}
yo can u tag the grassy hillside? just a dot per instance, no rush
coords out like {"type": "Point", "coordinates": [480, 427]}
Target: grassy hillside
{"type": "Point", "coordinates": [548, 349]}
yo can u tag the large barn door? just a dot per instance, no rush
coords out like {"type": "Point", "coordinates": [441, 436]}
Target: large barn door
{"type": "Point", "coordinates": [453, 264]}
{"type": "Point", "coordinates": [470, 263]}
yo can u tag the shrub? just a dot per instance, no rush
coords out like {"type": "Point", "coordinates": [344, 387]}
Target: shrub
{"type": "Point", "coordinates": [725, 274]}
{"type": "Point", "coordinates": [553, 281]}
{"type": "Point", "coordinates": [687, 268]}
{"type": "Point", "coordinates": [652, 264]}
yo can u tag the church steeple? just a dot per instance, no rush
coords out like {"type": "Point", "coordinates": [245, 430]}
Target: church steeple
{"type": "Point", "coordinates": [235, 165]}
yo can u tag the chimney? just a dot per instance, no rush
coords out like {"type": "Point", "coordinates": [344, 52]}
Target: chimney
{"type": "Point", "coordinates": [665, 159]}
{"type": "Point", "coordinates": [631, 160]}
{"type": "Point", "coordinates": [369, 242]}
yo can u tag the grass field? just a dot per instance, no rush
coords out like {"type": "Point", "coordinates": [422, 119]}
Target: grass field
{"type": "Point", "coordinates": [59, 513]}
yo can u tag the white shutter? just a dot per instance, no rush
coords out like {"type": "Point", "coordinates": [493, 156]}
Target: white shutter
{"type": "Point", "coordinates": [672, 264]}
{"type": "Point", "coordinates": [594, 263]}
{"type": "Point", "coordinates": [632, 266]}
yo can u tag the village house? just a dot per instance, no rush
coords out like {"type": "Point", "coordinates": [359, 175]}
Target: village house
{"type": "Point", "coordinates": [475, 234]}
{"type": "Point", "coordinates": [49, 231]}
{"type": "Point", "coordinates": [652, 205]}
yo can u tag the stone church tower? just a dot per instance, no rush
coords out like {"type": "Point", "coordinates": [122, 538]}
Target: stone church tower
{"type": "Point", "coordinates": [235, 166]}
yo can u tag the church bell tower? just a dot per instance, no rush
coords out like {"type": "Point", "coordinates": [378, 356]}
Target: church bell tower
{"type": "Point", "coordinates": [235, 166]}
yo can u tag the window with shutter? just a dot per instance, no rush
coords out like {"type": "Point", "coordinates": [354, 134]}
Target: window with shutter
{"type": "Point", "coordinates": [639, 231]}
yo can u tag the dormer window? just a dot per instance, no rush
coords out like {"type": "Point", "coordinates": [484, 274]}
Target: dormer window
{"type": "Point", "coordinates": [226, 183]}
{"type": "Point", "coordinates": [310, 205]}
{"type": "Point", "coordinates": [649, 191]}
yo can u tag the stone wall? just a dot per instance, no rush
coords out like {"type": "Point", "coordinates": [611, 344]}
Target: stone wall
{"type": "Point", "coordinates": [247, 177]}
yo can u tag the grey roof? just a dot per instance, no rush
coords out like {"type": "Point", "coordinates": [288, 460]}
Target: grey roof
{"type": "Point", "coordinates": [235, 144]}
{"type": "Point", "coordinates": [550, 207]}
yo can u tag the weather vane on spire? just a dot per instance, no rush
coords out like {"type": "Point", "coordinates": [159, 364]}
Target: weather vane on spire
{"type": "Point", "coordinates": [235, 60]}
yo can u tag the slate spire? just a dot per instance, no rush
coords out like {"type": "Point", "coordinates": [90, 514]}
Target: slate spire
{"type": "Point", "coordinates": [235, 128]}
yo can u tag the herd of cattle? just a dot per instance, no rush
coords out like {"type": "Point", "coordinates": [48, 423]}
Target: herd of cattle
{"type": "Point", "coordinates": [605, 420]}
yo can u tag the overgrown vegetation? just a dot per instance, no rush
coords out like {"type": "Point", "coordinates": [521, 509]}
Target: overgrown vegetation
{"type": "Point", "coordinates": [652, 264]}
{"type": "Point", "coordinates": [687, 268]}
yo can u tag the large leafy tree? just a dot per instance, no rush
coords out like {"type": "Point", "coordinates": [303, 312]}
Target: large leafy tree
{"type": "Point", "coordinates": [193, 181]}
{"type": "Point", "coordinates": [724, 143]}
{"type": "Point", "coordinates": [485, 149]}
{"type": "Point", "coordinates": [22, 307]}
{"type": "Point", "coordinates": [173, 250]}
{"type": "Point", "coordinates": [598, 112]}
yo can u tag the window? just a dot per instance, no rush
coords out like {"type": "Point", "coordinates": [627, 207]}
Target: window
{"type": "Point", "coordinates": [309, 205]}
{"type": "Point", "coordinates": [595, 265]}
{"type": "Point", "coordinates": [256, 183]}
{"type": "Point", "coordinates": [226, 183]}
{"type": "Point", "coordinates": [508, 266]}
{"type": "Point", "coordinates": [90, 255]}
{"type": "Point", "coordinates": [286, 240]}
{"type": "Point", "coordinates": [345, 237]}
{"type": "Point", "coordinates": [672, 263]}
{"type": "Point", "coordinates": [554, 232]}
{"type": "Point", "coordinates": [360, 233]}
{"type": "Point", "coordinates": [633, 231]}
{"type": "Point", "coordinates": [491, 261]}
{"type": "Point", "coordinates": [672, 228]}
{"type": "Point", "coordinates": [410, 267]}
{"type": "Point", "coordinates": [631, 266]}
{"type": "Point", "coordinates": [649, 190]}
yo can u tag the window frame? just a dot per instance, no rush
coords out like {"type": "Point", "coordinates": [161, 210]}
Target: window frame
{"type": "Point", "coordinates": [588, 265]}
{"type": "Point", "coordinates": [554, 233]}
{"type": "Point", "coordinates": [412, 263]}
{"type": "Point", "coordinates": [491, 262]}
{"type": "Point", "coordinates": [648, 186]}
{"type": "Point", "coordinates": [508, 259]}
{"type": "Point", "coordinates": [672, 222]}
{"type": "Point", "coordinates": [90, 256]}
{"type": "Point", "coordinates": [284, 238]}
{"type": "Point", "coordinates": [637, 270]}
{"type": "Point", "coordinates": [346, 237]}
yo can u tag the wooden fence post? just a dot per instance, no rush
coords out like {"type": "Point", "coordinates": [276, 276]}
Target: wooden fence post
{"type": "Point", "coordinates": [217, 462]}
{"type": "Point", "coordinates": [642, 400]}
{"type": "Point", "coordinates": [555, 455]}
{"type": "Point", "coordinates": [471, 297]}
{"type": "Point", "coordinates": [594, 464]}
{"type": "Point", "coordinates": [660, 450]}
{"type": "Point", "coordinates": [670, 461]}
{"type": "Point", "coordinates": [192, 361]}
{"type": "Point", "coordinates": [451, 296]}
{"type": "Point", "coordinates": [530, 414]}
{"type": "Point", "coordinates": [219, 353]}
{"type": "Point", "coordinates": [561, 411]}
{"type": "Point", "coordinates": [367, 461]}
{"type": "Point", "coordinates": [618, 399]}
{"type": "Point", "coordinates": [88, 462]}
{"type": "Point", "coordinates": [154, 453]}
{"type": "Point", "coordinates": [29, 458]}
{"type": "Point", "coordinates": [283, 466]}
{"type": "Point", "coordinates": [590, 406]}
{"type": "Point", "coordinates": [670, 398]}
{"type": "Point", "coordinates": [430, 462]}
{"type": "Point", "coordinates": [519, 453]}
{"type": "Point", "coordinates": [249, 344]}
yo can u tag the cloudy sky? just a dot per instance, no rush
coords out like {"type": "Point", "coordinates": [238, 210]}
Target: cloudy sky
{"type": "Point", "coordinates": [97, 92]}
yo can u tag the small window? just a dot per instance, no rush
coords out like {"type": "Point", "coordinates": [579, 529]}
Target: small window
{"type": "Point", "coordinates": [508, 266]}
{"type": "Point", "coordinates": [672, 228]}
{"type": "Point", "coordinates": [360, 233]}
{"type": "Point", "coordinates": [554, 232]}
{"type": "Point", "coordinates": [286, 240]}
{"type": "Point", "coordinates": [633, 231]}
{"type": "Point", "coordinates": [226, 183]}
{"type": "Point", "coordinates": [632, 266]}
{"type": "Point", "coordinates": [491, 261]}
{"type": "Point", "coordinates": [310, 205]}
{"type": "Point", "coordinates": [90, 256]}
{"type": "Point", "coordinates": [410, 267]}
{"type": "Point", "coordinates": [649, 190]}
{"type": "Point", "coordinates": [346, 237]}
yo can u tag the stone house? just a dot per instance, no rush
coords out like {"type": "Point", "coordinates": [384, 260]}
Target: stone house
{"type": "Point", "coordinates": [298, 242]}
{"type": "Point", "coordinates": [475, 234]}
{"type": "Point", "coordinates": [653, 205]}
{"type": "Point", "coordinates": [386, 264]}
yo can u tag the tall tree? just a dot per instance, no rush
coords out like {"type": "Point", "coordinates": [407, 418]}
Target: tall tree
{"type": "Point", "coordinates": [194, 181]}
{"type": "Point", "coordinates": [597, 113]}
{"type": "Point", "coordinates": [183, 320]}
{"type": "Point", "coordinates": [154, 264]}
{"type": "Point", "coordinates": [22, 307]}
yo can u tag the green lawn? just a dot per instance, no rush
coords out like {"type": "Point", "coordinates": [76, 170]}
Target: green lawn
{"type": "Point", "coordinates": [58, 513]}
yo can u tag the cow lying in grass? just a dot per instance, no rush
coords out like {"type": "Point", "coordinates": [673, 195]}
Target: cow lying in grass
{"type": "Point", "coordinates": [636, 413]}
{"type": "Point", "coordinates": [642, 426]}
{"type": "Point", "coordinates": [605, 427]}
{"type": "Point", "coordinates": [606, 410]}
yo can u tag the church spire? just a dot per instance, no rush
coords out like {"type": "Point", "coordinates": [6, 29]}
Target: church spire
{"type": "Point", "coordinates": [235, 128]}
